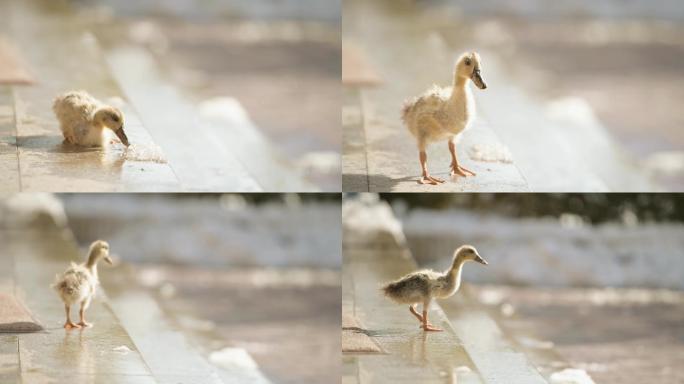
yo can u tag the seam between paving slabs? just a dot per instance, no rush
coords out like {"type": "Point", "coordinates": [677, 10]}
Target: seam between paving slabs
{"type": "Point", "coordinates": [362, 121]}
{"type": "Point", "coordinates": [15, 131]}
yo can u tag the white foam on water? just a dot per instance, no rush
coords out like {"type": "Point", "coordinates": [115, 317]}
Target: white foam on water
{"type": "Point", "coordinates": [534, 343]}
{"type": "Point", "coordinates": [320, 162]}
{"type": "Point", "coordinates": [122, 349]}
{"type": "Point", "coordinates": [227, 109]}
{"type": "Point", "coordinates": [231, 358]}
{"type": "Point", "coordinates": [667, 162]}
{"type": "Point", "coordinates": [147, 153]}
{"type": "Point", "coordinates": [571, 376]}
{"type": "Point", "coordinates": [491, 153]}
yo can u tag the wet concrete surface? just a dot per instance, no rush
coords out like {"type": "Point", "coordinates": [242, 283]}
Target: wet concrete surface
{"type": "Point", "coordinates": [288, 320]}
{"type": "Point", "coordinates": [616, 335]}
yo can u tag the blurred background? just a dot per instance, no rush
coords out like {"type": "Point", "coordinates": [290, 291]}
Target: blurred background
{"type": "Point", "coordinates": [251, 281]}
{"type": "Point", "coordinates": [579, 74]}
{"type": "Point", "coordinates": [591, 279]}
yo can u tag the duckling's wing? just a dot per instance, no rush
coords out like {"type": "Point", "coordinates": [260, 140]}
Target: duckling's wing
{"type": "Point", "coordinates": [74, 108]}
{"type": "Point", "coordinates": [411, 288]}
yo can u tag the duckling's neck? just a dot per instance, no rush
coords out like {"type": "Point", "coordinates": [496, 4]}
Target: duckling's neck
{"type": "Point", "coordinates": [91, 264]}
{"type": "Point", "coordinates": [454, 273]}
{"type": "Point", "coordinates": [459, 93]}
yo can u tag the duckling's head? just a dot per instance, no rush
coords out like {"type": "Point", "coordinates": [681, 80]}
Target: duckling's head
{"type": "Point", "coordinates": [99, 250]}
{"type": "Point", "coordinates": [468, 66]}
{"type": "Point", "coordinates": [112, 118]}
{"type": "Point", "coordinates": [468, 253]}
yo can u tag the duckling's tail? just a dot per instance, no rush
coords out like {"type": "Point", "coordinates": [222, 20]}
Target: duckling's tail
{"type": "Point", "coordinates": [406, 110]}
{"type": "Point", "coordinates": [393, 290]}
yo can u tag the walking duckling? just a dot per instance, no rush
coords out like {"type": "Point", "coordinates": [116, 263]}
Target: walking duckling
{"type": "Point", "coordinates": [82, 119]}
{"type": "Point", "coordinates": [422, 286]}
{"type": "Point", "coordinates": [444, 113]}
{"type": "Point", "coordinates": [79, 282]}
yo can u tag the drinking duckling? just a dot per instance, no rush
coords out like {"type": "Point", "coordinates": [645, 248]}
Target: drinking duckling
{"type": "Point", "coordinates": [82, 119]}
{"type": "Point", "coordinates": [424, 285]}
{"type": "Point", "coordinates": [444, 113]}
{"type": "Point", "coordinates": [79, 282]}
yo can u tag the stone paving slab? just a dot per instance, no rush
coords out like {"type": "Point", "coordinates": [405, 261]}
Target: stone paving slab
{"type": "Point", "coordinates": [496, 358]}
{"type": "Point", "coordinates": [410, 60]}
{"type": "Point", "coordinates": [64, 57]}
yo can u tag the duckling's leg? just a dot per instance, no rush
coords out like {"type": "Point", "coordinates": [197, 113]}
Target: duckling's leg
{"type": "Point", "coordinates": [84, 305]}
{"type": "Point", "coordinates": [415, 313]}
{"type": "Point", "coordinates": [426, 324]}
{"type": "Point", "coordinates": [426, 179]}
{"type": "Point", "coordinates": [455, 168]}
{"type": "Point", "coordinates": [69, 324]}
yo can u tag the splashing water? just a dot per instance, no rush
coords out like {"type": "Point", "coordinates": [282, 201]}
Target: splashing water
{"type": "Point", "coordinates": [148, 153]}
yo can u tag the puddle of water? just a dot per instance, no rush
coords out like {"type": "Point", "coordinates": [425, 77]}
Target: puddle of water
{"type": "Point", "coordinates": [491, 153]}
{"type": "Point", "coordinates": [571, 376]}
{"type": "Point", "coordinates": [147, 153]}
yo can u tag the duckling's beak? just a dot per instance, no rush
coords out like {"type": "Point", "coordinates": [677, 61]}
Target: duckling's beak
{"type": "Point", "coordinates": [480, 260]}
{"type": "Point", "coordinates": [122, 136]}
{"type": "Point", "coordinates": [108, 260]}
{"type": "Point", "coordinates": [477, 79]}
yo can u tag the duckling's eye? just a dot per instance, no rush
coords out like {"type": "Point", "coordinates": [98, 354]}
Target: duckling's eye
{"type": "Point", "coordinates": [115, 118]}
{"type": "Point", "coordinates": [467, 62]}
